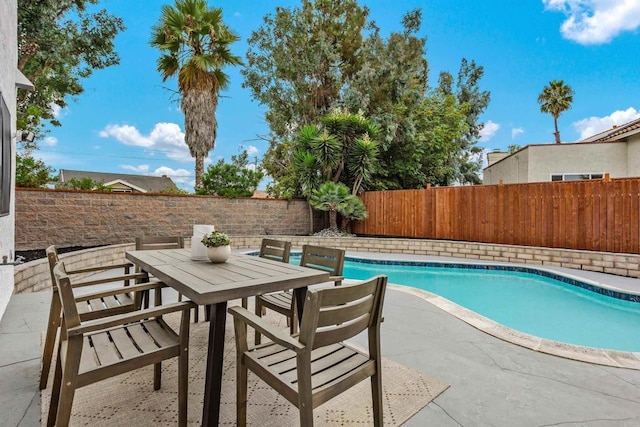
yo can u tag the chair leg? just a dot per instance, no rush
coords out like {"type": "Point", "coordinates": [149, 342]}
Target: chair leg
{"type": "Point", "coordinates": [241, 392]}
{"type": "Point", "coordinates": [157, 376]}
{"type": "Point", "coordinates": [376, 396]}
{"type": "Point", "coordinates": [55, 393]}
{"type": "Point", "coordinates": [258, 311]}
{"type": "Point", "coordinates": [68, 382]}
{"type": "Point", "coordinates": [50, 340]}
{"type": "Point", "coordinates": [183, 386]}
{"type": "Point", "coordinates": [196, 314]}
{"type": "Point", "coordinates": [245, 302]}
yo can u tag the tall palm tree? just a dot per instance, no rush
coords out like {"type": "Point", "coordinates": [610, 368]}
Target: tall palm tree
{"type": "Point", "coordinates": [555, 99]}
{"type": "Point", "coordinates": [195, 47]}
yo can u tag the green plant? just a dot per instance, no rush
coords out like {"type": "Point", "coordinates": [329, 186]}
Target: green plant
{"type": "Point", "coordinates": [215, 239]}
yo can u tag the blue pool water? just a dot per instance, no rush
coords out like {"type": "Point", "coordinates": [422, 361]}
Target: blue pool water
{"type": "Point", "coordinates": [530, 303]}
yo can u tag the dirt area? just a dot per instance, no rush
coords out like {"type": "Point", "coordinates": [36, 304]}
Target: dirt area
{"type": "Point", "coordinates": [35, 254]}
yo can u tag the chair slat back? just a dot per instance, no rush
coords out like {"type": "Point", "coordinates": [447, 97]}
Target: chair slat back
{"type": "Point", "coordinates": [323, 258]}
{"type": "Point", "coordinates": [52, 256]}
{"type": "Point", "coordinates": [334, 314]}
{"type": "Point", "coordinates": [61, 279]}
{"type": "Point", "coordinates": [277, 250]}
{"type": "Point", "coordinates": [145, 243]}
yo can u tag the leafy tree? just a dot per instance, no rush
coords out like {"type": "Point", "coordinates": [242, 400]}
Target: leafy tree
{"type": "Point", "coordinates": [300, 59]}
{"type": "Point", "coordinates": [467, 162]}
{"type": "Point", "coordinates": [513, 148]}
{"type": "Point", "coordinates": [555, 99]}
{"type": "Point", "coordinates": [352, 210]}
{"type": "Point", "coordinates": [382, 79]}
{"type": "Point", "coordinates": [333, 198]}
{"type": "Point", "coordinates": [87, 184]}
{"type": "Point", "coordinates": [60, 43]}
{"type": "Point", "coordinates": [235, 179]}
{"type": "Point", "coordinates": [32, 173]}
{"type": "Point", "coordinates": [195, 45]}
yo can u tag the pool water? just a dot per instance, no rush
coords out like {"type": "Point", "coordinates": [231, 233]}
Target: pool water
{"type": "Point", "coordinates": [526, 302]}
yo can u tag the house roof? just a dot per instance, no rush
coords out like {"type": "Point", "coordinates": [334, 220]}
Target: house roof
{"type": "Point", "coordinates": [140, 183]}
{"type": "Point", "coordinates": [616, 133]}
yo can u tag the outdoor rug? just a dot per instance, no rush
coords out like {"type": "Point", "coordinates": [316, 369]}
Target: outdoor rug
{"type": "Point", "coordinates": [129, 399]}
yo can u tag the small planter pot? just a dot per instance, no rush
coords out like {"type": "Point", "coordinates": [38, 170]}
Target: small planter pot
{"type": "Point", "coordinates": [218, 253]}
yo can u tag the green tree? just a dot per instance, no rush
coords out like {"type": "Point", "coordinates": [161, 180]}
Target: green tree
{"type": "Point", "coordinates": [468, 161]}
{"type": "Point", "coordinates": [235, 179]}
{"type": "Point", "coordinates": [352, 210]}
{"type": "Point", "coordinates": [333, 198]}
{"type": "Point", "coordinates": [87, 184]}
{"type": "Point", "coordinates": [300, 59]}
{"type": "Point", "coordinates": [60, 43]}
{"type": "Point", "coordinates": [555, 99]}
{"type": "Point", "coordinates": [32, 173]}
{"type": "Point", "coordinates": [513, 148]}
{"type": "Point", "coordinates": [195, 45]}
{"type": "Point", "coordinates": [300, 68]}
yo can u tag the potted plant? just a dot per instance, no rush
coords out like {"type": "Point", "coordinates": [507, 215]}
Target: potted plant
{"type": "Point", "coordinates": [218, 246]}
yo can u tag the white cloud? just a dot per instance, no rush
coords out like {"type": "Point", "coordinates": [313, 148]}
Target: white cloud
{"type": "Point", "coordinates": [166, 138]}
{"type": "Point", "coordinates": [515, 132]}
{"type": "Point", "coordinates": [57, 111]}
{"type": "Point", "coordinates": [50, 141]}
{"type": "Point", "coordinates": [140, 169]}
{"type": "Point", "coordinates": [251, 150]}
{"type": "Point", "coordinates": [596, 21]}
{"type": "Point", "coordinates": [594, 125]}
{"type": "Point", "coordinates": [488, 131]}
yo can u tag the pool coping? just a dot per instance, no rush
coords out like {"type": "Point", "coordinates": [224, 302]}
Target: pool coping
{"type": "Point", "coordinates": [599, 356]}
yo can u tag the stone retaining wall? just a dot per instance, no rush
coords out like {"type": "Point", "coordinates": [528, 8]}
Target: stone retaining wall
{"type": "Point", "coordinates": [34, 276]}
{"type": "Point", "coordinates": [85, 218]}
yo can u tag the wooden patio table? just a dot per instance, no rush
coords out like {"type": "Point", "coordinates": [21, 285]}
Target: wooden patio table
{"type": "Point", "coordinates": [212, 285]}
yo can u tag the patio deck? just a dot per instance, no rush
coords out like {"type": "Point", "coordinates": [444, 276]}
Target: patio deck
{"type": "Point", "coordinates": [493, 382]}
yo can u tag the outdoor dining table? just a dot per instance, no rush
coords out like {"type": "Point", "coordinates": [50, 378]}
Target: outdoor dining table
{"type": "Point", "coordinates": [212, 285]}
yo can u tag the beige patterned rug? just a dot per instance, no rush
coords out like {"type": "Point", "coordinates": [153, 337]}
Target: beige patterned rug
{"type": "Point", "coordinates": [129, 399]}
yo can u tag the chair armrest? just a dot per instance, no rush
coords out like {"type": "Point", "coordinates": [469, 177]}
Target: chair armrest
{"type": "Point", "coordinates": [121, 290]}
{"type": "Point", "coordinates": [337, 279]}
{"type": "Point", "coordinates": [122, 319]}
{"type": "Point", "coordinates": [124, 277]}
{"type": "Point", "coordinates": [100, 268]}
{"type": "Point", "coordinates": [244, 316]}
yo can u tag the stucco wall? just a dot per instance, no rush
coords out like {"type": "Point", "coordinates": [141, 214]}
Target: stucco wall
{"type": "Point", "coordinates": [84, 218]}
{"type": "Point", "coordinates": [633, 154]}
{"type": "Point", "coordinates": [8, 62]}
{"type": "Point", "coordinates": [608, 157]}
{"type": "Point", "coordinates": [536, 163]}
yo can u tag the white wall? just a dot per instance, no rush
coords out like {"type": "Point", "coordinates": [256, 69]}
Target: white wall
{"type": "Point", "coordinates": [8, 62]}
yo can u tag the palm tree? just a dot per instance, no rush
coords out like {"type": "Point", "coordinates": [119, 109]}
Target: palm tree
{"type": "Point", "coordinates": [555, 99]}
{"type": "Point", "coordinates": [331, 197]}
{"type": "Point", "coordinates": [195, 46]}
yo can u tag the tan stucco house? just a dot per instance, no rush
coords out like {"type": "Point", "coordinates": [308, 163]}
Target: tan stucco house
{"type": "Point", "coordinates": [615, 152]}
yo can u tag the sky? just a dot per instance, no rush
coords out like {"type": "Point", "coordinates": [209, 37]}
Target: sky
{"type": "Point", "coordinates": [128, 120]}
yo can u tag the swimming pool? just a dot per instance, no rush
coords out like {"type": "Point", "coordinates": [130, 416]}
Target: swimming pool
{"type": "Point", "coordinates": [532, 301]}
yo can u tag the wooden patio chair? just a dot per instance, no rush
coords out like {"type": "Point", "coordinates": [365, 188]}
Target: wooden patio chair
{"type": "Point", "coordinates": [318, 257]}
{"type": "Point", "coordinates": [277, 250]}
{"type": "Point", "coordinates": [146, 243]}
{"type": "Point", "coordinates": [89, 307]}
{"type": "Point", "coordinates": [312, 368]}
{"type": "Point", "coordinates": [91, 351]}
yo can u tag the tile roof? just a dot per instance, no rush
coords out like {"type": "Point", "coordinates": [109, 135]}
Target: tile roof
{"type": "Point", "coordinates": [616, 132]}
{"type": "Point", "coordinates": [147, 183]}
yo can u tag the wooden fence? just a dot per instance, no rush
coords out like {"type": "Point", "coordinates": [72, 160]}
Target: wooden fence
{"type": "Point", "coordinates": [599, 215]}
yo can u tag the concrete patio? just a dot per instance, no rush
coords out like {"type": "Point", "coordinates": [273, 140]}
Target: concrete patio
{"type": "Point", "coordinates": [493, 382]}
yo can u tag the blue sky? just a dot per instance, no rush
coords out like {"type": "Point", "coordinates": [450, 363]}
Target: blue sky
{"type": "Point", "coordinates": [128, 121]}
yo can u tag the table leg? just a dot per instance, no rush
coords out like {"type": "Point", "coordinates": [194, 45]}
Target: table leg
{"type": "Point", "coordinates": [215, 352]}
{"type": "Point", "coordinates": [300, 294]}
